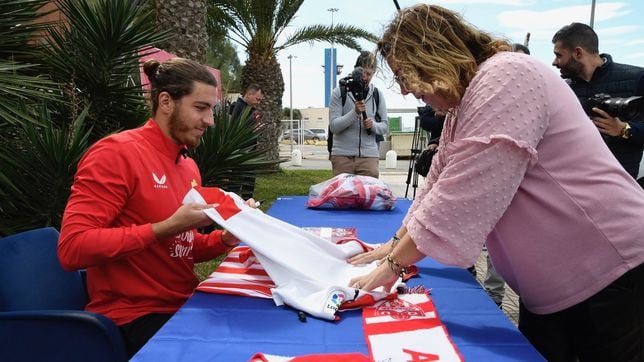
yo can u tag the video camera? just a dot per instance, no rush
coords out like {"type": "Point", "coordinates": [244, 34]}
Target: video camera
{"type": "Point", "coordinates": [625, 108]}
{"type": "Point", "coordinates": [355, 84]}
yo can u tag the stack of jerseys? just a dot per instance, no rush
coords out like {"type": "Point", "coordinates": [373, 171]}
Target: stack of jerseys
{"type": "Point", "coordinates": [308, 273]}
{"type": "Point", "coordinates": [240, 273]}
{"type": "Point", "coordinates": [348, 191]}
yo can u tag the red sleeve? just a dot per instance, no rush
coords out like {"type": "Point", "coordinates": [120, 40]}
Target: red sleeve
{"type": "Point", "coordinates": [208, 246]}
{"type": "Point", "coordinates": [100, 191]}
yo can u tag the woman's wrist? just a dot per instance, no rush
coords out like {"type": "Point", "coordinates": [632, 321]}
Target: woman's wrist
{"type": "Point", "coordinates": [395, 266]}
{"type": "Point", "coordinates": [394, 240]}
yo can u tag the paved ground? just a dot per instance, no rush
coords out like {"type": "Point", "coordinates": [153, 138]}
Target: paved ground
{"type": "Point", "coordinates": [398, 178]}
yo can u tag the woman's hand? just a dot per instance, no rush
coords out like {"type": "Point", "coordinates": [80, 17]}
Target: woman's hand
{"type": "Point", "coordinates": [383, 276]}
{"type": "Point", "coordinates": [367, 257]}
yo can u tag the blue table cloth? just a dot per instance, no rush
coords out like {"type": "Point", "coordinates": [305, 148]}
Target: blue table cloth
{"type": "Point", "coordinates": [214, 327]}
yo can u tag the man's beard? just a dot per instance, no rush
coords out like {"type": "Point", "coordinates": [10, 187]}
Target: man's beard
{"type": "Point", "coordinates": [178, 128]}
{"type": "Point", "coordinates": [572, 69]}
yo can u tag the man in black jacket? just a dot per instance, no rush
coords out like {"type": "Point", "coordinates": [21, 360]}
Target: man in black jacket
{"type": "Point", "coordinates": [246, 106]}
{"type": "Point", "coordinates": [251, 99]}
{"type": "Point", "coordinates": [590, 73]}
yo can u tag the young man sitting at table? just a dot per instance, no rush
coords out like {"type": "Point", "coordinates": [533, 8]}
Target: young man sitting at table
{"type": "Point", "coordinates": [124, 221]}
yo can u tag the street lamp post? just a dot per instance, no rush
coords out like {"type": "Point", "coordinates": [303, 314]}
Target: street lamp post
{"type": "Point", "coordinates": [290, 90]}
{"type": "Point", "coordinates": [332, 60]}
{"type": "Point", "coordinates": [592, 14]}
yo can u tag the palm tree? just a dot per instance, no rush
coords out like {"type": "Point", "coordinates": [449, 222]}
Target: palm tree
{"type": "Point", "coordinates": [222, 55]}
{"type": "Point", "coordinates": [55, 98]}
{"type": "Point", "coordinates": [186, 20]}
{"type": "Point", "coordinates": [256, 25]}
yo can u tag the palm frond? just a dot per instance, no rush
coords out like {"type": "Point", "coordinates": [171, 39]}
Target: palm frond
{"type": "Point", "coordinates": [20, 27]}
{"type": "Point", "coordinates": [228, 155]}
{"type": "Point", "coordinates": [20, 92]}
{"type": "Point", "coordinates": [340, 34]}
{"type": "Point", "coordinates": [96, 55]}
{"type": "Point", "coordinates": [36, 173]}
{"type": "Point", "coordinates": [286, 13]}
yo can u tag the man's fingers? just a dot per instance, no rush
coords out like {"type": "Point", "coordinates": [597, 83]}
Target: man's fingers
{"type": "Point", "coordinates": [600, 112]}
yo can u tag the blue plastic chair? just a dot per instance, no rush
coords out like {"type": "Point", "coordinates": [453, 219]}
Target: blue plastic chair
{"type": "Point", "coordinates": [41, 306]}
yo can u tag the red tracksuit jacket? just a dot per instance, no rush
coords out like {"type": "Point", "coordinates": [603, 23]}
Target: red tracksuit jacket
{"type": "Point", "coordinates": [124, 183]}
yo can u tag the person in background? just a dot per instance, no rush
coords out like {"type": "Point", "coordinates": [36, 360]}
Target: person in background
{"type": "Point", "coordinates": [354, 149]}
{"type": "Point", "coordinates": [520, 169]}
{"type": "Point", "coordinates": [520, 48]}
{"type": "Point", "coordinates": [124, 221]}
{"type": "Point", "coordinates": [576, 48]}
{"type": "Point", "coordinates": [251, 99]}
{"type": "Point", "coordinates": [247, 104]}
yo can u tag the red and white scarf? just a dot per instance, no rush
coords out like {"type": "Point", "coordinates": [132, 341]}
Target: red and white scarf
{"type": "Point", "coordinates": [403, 329]}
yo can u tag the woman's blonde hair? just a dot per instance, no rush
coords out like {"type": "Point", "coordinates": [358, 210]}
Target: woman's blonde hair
{"type": "Point", "coordinates": [435, 51]}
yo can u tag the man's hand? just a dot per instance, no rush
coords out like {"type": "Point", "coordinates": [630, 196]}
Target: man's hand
{"type": "Point", "coordinates": [229, 239]}
{"type": "Point", "coordinates": [608, 124]}
{"type": "Point", "coordinates": [367, 123]}
{"type": "Point", "coordinates": [187, 217]}
{"type": "Point", "coordinates": [360, 107]}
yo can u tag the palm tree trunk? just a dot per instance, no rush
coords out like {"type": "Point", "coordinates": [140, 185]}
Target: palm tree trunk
{"type": "Point", "coordinates": [268, 74]}
{"type": "Point", "coordinates": [186, 19]}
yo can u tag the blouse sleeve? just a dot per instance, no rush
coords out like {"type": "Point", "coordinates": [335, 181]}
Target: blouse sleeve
{"type": "Point", "coordinates": [498, 126]}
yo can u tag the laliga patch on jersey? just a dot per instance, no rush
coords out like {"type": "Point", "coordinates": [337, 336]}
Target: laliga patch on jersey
{"type": "Point", "coordinates": [333, 302]}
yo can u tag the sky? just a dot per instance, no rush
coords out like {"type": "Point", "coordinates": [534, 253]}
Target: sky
{"type": "Point", "coordinates": [617, 23]}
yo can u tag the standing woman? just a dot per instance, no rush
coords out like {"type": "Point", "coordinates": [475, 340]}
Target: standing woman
{"type": "Point", "coordinates": [521, 168]}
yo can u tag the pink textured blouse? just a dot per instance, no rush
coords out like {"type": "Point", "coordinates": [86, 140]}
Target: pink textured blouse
{"type": "Point", "coordinates": [522, 168]}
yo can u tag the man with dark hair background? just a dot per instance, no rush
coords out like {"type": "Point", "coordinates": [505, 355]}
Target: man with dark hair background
{"type": "Point", "coordinates": [252, 97]}
{"type": "Point", "coordinates": [576, 48]}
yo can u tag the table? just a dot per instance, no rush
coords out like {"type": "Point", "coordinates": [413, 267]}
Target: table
{"type": "Point", "coordinates": [214, 327]}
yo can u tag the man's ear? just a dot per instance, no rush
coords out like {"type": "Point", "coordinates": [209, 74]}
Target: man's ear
{"type": "Point", "coordinates": [166, 103]}
{"type": "Point", "coordinates": [578, 53]}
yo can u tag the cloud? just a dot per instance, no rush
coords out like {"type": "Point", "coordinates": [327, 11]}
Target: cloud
{"type": "Point", "coordinates": [635, 42]}
{"type": "Point", "coordinates": [617, 30]}
{"type": "Point", "coordinates": [556, 18]}
{"type": "Point", "coordinates": [497, 2]}
{"type": "Point", "coordinates": [639, 55]}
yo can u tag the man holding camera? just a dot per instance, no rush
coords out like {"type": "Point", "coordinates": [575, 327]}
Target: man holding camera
{"type": "Point", "coordinates": [356, 115]}
{"type": "Point", "coordinates": [590, 74]}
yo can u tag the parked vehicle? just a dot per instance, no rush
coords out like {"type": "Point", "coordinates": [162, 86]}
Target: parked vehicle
{"type": "Point", "coordinates": [320, 132]}
{"type": "Point", "coordinates": [303, 134]}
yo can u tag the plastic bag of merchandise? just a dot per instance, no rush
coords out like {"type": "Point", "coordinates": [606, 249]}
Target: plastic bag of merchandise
{"type": "Point", "coordinates": [348, 191]}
